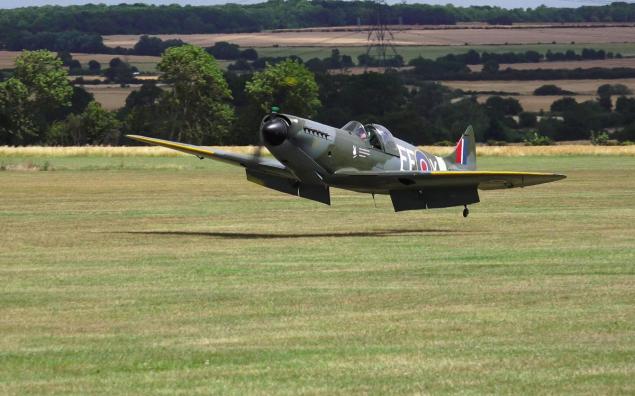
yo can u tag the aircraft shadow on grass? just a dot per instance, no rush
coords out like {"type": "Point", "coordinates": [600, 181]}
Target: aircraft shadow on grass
{"type": "Point", "coordinates": [254, 235]}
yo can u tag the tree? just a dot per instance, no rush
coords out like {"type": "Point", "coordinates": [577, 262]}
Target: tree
{"type": "Point", "coordinates": [550, 89]}
{"type": "Point", "coordinates": [75, 66]}
{"type": "Point", "coordinates": [527, 120]}
{"type": "Point", "coordinates": [199, 100]}
{"type": "Point", "coordinates": [249, 54]}
{"type": "Point", "coordinates": [289, 85]}
{"type": "Point", "coordinates": [65, 57]}
{"type": "Point", "coordinates": [472, 57]}
{"type": "Point", "coordinates": [94, 66]}
{"type": "Point", "coordinates": [33, 97]}
{"type": "Point", "coordinates": [120, 71]}
{"type": "Point", "coordinates": [628, 133]}
{"type": "Point", "coordinates": [16, 124]}
{"type": "Point", "coordinates": [491, 66]}
{"type": "Point", "coordinates": [504, 106]}
{"type": "Point", "coordinates": [154, 45]}
{"type": "Point", "coordinates": [94, 126]}
{"type": "Point", "coordinates": [149, 46]}
{"type": "Point", "coordinates": [45, 78]}
{"type": "Point", "coordinates": [79, 101]}
{"type": "Point", "coordinates": [563, 105]}
{"type": "Point", "coordinates": [142, 112]}
{"type": "Point", "coordinates": [225, 50]}
{"type": "Point", "coordinates": [604, 96]}
{"type": "Point", "coordinates": [626, 108]}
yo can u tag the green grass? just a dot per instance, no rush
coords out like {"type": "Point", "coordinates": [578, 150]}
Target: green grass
{"type": "Point", "coordinates": [174, 275]}
{"type": "Point", "coordinates": [433, 52]}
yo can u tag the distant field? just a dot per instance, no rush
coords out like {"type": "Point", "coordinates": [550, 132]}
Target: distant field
{"type": "Point", "coordinates": [134, 275]}
{"type": "Point", "coordinates": [583, 87]}
{"type": "Point", "coordinates": [111, 96]}
{"type": "Point", "coordinates": [523, 90]}
{"type": "Point", "coordinates": [404, 37]}
{"type": "Point", "coordinates": [143, 63]}
{"type": "Point", "coordinates": [583, 64]}
{"type": "Point", "coordinates": [148, 63]}
{"type": "Point", "coordinates": [537, 103]}
{"type": "Point", "coordinates": [114, 97]}
{"type": "Point", "coordinates": [433, 52]}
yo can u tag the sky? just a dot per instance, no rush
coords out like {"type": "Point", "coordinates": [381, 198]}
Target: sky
{"type": "Point", "coordinates": [499, 3]}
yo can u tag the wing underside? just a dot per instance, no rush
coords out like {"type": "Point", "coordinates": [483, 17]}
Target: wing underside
{"type": "Point", "coordinates": [483, 180]}
{"type": "Point", "coordinates": [415, 190]}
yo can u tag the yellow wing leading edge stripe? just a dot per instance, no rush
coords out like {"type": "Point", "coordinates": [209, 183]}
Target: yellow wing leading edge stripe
{"type": "Point", "coordinates": [492, 173]}
{"type": "Point", "coordinates": [172, 145]}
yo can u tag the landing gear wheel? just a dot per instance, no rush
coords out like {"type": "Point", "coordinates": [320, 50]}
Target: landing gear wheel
{"type": "Point", "coordinates": [466, 211]}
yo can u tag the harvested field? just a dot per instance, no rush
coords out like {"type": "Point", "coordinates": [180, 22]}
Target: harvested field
{"type": "Point", "coordinates": [582, 87]}
{"type": "Point", "coordinates": [143, 63]}
{"type": "Point", "coordinates": [583, 64]}
{"type": "Point", "coordinates": [405, 37]}
{"type": "Point", "coordinates": [153, 151]}
{"type": "Point", "coordinates": [435, 51]}
{"type": "Point", "coordinates": [537, 103]}
{"type": "Point", "coordinates": [111, 96]}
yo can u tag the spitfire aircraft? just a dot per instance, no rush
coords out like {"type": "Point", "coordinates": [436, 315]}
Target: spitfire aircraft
{"type": "Point", "coordinates": [311, 157]}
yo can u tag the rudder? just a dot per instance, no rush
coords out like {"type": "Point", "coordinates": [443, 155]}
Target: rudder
{"type": "Point", "coordinates": [464, 155]}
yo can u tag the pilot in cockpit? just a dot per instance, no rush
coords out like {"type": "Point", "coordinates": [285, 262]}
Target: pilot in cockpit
{"type": "Point", "coordinates": [360, 131]}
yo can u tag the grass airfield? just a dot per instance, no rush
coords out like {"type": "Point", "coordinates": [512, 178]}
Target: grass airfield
{"type": "Point", "coordinates": [139, 275]}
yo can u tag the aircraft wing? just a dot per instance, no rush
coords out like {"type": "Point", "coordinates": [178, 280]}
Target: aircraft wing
{"type": "Point", "coordinates": [484, 180]}
{"type": "Point", "coordinates": [264, 165]}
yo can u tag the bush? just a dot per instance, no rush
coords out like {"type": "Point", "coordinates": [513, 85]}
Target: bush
{"type": "Point", "coordinates": [627, 134]}
{"type": "Point", "coordinates": [600, 139]}
{"type": "Point", "coordinates": [527, 120]}
{"type": "Point", "coordinates": [538, 140]}
{"type": "Point", "coordinates": [94, 126]}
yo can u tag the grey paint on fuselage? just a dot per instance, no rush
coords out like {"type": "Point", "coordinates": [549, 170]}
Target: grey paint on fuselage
{"type": "Point", "coordinates": [330, 149]}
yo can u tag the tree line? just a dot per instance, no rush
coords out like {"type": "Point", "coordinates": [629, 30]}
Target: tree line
{"type": "Point", "coordinates": [456, 67]}
{"type": "Point", "coordinates": [200, 104]}
{"type": "Point", "coordinates": [101, 19]}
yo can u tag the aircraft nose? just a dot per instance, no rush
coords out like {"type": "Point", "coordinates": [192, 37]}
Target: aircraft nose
{"type": "Point", "coordinates": [275, 131]}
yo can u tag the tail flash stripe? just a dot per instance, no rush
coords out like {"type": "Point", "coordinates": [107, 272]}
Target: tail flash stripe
{"type": "Point", "coordinates": [459, 152]}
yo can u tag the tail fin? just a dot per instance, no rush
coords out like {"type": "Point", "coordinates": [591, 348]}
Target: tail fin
{"type": "Point", "coordinates": [464, 155]}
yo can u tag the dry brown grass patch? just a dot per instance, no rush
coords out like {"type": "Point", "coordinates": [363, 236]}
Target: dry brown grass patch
{"type": "Point", "coordinates": [543, 151]}
{"type": "Point", "coordinates": [151, 151]}
{"type": "Point", "coordinates": [107, 151]}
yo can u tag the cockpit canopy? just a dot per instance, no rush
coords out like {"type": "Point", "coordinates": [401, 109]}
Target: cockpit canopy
{"type": "Point", "coordinates": [377, 136]}
{"type": "Point", "coordinates": [356, 128]}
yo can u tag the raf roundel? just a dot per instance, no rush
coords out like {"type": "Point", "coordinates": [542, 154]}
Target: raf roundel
{"type": "Point", "coordinates": [422, 162]}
